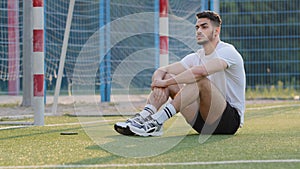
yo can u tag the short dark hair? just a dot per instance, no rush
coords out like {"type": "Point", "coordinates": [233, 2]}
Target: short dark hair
{"type": "Point", "coordinates": [213, 16]}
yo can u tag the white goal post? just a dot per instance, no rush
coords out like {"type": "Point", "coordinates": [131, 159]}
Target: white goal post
{"type": "Point", "coordinates": [63, 56]}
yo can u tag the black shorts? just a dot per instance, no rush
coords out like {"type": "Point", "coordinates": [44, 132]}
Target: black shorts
{"type": "Point", "coordinates": [228, 123]}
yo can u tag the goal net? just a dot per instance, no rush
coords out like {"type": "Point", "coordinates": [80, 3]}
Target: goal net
{"type": "Point", "coordinates": [114, 46]}
{"type": "Point", "coordinates": [10, 46]}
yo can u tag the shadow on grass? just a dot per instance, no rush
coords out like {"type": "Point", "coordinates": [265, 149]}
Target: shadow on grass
{"type": "Point", "coordinates": [211, 138]}
{"type": "Point", "coordinates": [37, 132]}
{"type": "Point", "coordinates": [143, 147]}
{"type": "Point", "coordinates": [93, 161]}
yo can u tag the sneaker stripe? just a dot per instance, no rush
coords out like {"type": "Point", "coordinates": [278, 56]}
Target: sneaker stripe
{"type": "Point", "coordinates": [150, 128]}
{"type": "Point", "coordinates": [149, 110]}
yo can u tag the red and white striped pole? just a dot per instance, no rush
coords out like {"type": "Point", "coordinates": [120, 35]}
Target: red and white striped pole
{"type": "Point", "coordinates": [13, 46]}
{"type": "Point", "coordinates": [163, 33]}
{"type": "Point", "coordinates": [38, 61]}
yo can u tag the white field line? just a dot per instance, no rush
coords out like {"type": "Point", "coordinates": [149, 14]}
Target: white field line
{"type": "Point", "coordinates": [101, 121]}
{"type": "Point", "coordinates": [272, 107]}
{"type": "Point", "coordinates": [158, 164]}
{"type": "Point", "coordinates": [62, 124]}
{"type": "Point", "coordinates": [77, 123]}
{"type": "Point", "coordinates": [148, 164]}
{"type": "Point", "coordinates": [13, 127]}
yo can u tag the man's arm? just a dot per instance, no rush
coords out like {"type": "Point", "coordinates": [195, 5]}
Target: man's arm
{"type": "Point", "coordinates": [174, 68]}
{"type": "Point", "coordinates": [193, 74]}
{"type": "Point", "coordinates": [159, 92]}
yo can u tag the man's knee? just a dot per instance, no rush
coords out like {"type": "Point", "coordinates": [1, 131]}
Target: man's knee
{"type": "Point", "coordinates": [173, 89]}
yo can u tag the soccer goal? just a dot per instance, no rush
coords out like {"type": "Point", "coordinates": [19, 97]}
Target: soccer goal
{"type": "Point", "coordinates": [93, 51]}
{"type": "Point", "coordinates": [110, 52]}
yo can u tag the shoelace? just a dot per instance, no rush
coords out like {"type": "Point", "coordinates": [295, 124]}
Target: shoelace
{"type": "Point", "coordinates": [150, 124]}
{"type": "Point", "coordinates": [138, 119]}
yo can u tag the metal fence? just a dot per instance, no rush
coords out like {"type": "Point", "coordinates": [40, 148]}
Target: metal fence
{"type": "Point", "coordinates": [266, 32]}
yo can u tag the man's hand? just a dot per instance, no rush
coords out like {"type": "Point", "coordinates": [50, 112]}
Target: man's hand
{"type": "Point", "coordinates": [159, 84]}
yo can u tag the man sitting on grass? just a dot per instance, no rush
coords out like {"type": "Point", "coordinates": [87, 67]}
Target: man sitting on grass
{"type": "Point", "coordinates": [206, 87]}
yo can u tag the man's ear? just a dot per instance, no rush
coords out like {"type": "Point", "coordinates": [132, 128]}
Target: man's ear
{"type": "Point", "coordinates": [217, 31]}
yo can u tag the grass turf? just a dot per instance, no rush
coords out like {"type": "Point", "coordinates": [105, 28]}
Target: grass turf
{"type": "Point", "coordinates": [270, 132]}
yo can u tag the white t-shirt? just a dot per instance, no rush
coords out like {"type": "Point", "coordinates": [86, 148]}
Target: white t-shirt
{"type": "Point", "coordinates": [232, 81]}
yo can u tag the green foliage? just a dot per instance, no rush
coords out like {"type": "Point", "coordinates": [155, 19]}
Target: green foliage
{"type": "Point", "coordinates": [276, 92]}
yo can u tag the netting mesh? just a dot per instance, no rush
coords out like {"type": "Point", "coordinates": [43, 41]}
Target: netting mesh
{"type": "Point", "coordinates": [132, 28]}
{"type": "Point", "coordinates": [84, 23]}
{"type": "Point", "coordinates": [10, 42]}
{"type": "Point", "coordinates": [265, 32]}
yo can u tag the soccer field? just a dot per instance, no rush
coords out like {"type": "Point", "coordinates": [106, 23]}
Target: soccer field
{"type": "Point", "coordinates": [270, 138]}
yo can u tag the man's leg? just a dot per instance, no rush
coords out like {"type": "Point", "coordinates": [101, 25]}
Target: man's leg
{"type": "Point", "coordinates": [153, 127]}
{"type": "Point", "coordinates": [160, 96]}
{"type": "Point", "coordinates": [156, 99]}
{"type": "Point", "coordinates": [202, 94]}
{"type": "Point", "coordinates": [209, 109]}
{"type": "Point", "coordinates": [210, 102]}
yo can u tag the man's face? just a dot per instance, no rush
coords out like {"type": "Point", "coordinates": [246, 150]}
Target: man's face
{"type": "Point", "coordinates": [205, 31]}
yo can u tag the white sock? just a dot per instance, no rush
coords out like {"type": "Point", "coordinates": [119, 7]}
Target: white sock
{"type": "Point", "coordinates": [164, 114]}
{"type": "Point", "coordinates": [148, 110]}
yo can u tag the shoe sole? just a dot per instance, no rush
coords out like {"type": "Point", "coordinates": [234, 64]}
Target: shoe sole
{"type": "Point", "coordinates": [123, 130]}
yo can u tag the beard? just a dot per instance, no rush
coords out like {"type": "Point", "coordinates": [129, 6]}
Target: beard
{"type": "Point", "coordinates": [202, 42]}
{"type": "Point", "coordinates": [206, 39]}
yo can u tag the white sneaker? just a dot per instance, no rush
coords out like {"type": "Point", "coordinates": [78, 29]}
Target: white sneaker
{"type": "Point", "coordinates": [123, 127]}
{"type": "Point", "coordinates": [149, 128]}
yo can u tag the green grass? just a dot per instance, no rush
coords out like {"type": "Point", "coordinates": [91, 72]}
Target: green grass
{"type": "Point", "coordinates": [270, 132]}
